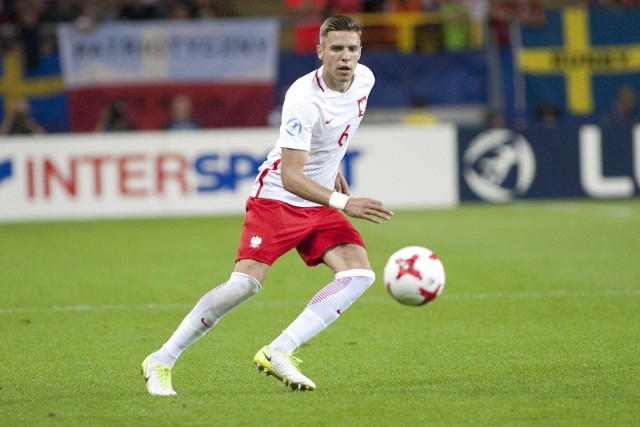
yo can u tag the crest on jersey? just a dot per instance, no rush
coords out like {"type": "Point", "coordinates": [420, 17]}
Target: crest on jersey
{"type": "Point", "coordinates": [362, 106]}
{"type": "Point", "coordinates": [294, 127]}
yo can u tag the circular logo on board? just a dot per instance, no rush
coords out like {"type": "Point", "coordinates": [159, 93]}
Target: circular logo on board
{"type": "Point", "coordinates": [499, 165]}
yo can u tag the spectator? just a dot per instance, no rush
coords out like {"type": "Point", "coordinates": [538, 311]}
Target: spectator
{"type": "Point", "coordinates": [20, 121]}
{"type": "Point", "coordinates": [455, 25]}
{"type": "Point", "coordinates": [624, 108]}
{"type": "Point", "coordinates": [217, 8]}
{"type": "Point", "coordinates": [419, 113]}
{"type": "Point", "coordinates": [548, 115]}
{"type": "Point", "coordinates": [307, 9]}
{"type": "Point", "coordinates": [616, 4]}
{"type": "Point", "coordinates": [137, 10]}
{"type": "Point", "coordinates": [28, 19]}
{"type": "Point", "coordinates": [345, 7]}
{"type": "Point", "coordinates": [181, 115]}
{"type": "Point", "coordinates": [181, 10]}
{"type": "Point", "coordinates": [209, 9]}
{"type": "Point", "coordinates": [478, 16]}
{"type": "Point", "coordinates": [114, 118]}
{"type": "Point", "coordinates": [429, 34]}
{"type": "Point", "coordinates": [503, 13]}
{"type": "Point", "coordinates": [92, 14]}
{"type": "Point", "coordinates": [62, 11]}
{"type": "Point", "coordinates": [307, 15]}
{"type": "Point", "coordinates": [403, 6]}
{"type": "Point", "coordinates": [495, 119]}
{"type": "Point", "coordinates": [4, 13]}
{"type": "Point", "coordinates": [374, 5]}
{"type": "Point", "coordinates": [431, 5]}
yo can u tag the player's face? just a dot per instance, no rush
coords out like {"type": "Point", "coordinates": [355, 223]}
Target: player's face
{"type": "Point", "coordinates": [340, 53]}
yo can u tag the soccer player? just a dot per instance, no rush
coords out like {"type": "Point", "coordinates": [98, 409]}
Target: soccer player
{"type": "Point", "coordinates": [295, 203]}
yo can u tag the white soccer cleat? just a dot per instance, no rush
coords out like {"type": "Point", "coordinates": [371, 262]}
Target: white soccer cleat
{"type": "Point", "coordinates": [283, 366]}
{"type": "Point", "coordinates": [157, 378]}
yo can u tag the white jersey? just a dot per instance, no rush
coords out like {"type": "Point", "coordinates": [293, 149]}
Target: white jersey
{"type": "Point", "coordinates": [318, 120]}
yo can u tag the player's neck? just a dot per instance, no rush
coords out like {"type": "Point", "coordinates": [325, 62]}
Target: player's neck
{"type": "Point", "coordinates": [337, 86]}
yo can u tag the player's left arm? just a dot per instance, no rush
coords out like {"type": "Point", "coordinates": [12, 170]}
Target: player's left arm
{"type": "Point", "coordinates": [296, 182]}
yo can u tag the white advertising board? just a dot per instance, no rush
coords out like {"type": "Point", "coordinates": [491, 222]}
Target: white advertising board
{"type": "Point", "coordinates": [149, 174]}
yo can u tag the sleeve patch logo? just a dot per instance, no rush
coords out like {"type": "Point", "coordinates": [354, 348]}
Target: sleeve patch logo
{"type": "Point", "coordinates": [294, 127]}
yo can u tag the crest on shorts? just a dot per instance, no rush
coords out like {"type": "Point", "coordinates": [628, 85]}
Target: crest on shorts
{"type": "Point", "coordinates": [256, 241]}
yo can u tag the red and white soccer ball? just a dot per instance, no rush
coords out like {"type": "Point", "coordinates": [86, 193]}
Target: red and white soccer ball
{"type": "Point", "coordinates": [414, 275]}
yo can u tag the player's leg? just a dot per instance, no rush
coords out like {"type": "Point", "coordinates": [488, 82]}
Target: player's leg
{"type": "Point", "coordinates": [204, 315]}
{"type": "Point", "coordinates": [265, 220]}
{"type": "Point", "coordinates": [323, 309]}
{"type": "Point", "coordinates": [212, 307]}
{"type": "Point", "coordinates": [353, 276]}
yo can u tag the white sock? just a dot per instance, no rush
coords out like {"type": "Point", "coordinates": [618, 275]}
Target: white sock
{"type": "Point", "coordinates": [206, 313]}
{"type": "Point", "coordinates": [324, 308]}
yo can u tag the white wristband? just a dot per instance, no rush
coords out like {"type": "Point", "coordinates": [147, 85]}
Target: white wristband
{"type": "Point", "coordinates": [338, 200]}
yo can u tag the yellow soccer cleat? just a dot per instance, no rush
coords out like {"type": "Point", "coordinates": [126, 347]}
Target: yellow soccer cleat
{"type": "Point", "coordinates": [157, 378]}
{"type": "Point", "coordinates": [283, 366]}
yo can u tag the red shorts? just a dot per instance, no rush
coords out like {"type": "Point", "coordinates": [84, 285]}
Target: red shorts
{"type": "Point", "coordinates": [272, 228]}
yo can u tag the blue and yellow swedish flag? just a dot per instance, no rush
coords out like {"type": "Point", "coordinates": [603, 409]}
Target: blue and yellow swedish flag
{"type": "Point", "coordinates": [580, 58]}
{"type": "Point", "coordinates": [43, 86]}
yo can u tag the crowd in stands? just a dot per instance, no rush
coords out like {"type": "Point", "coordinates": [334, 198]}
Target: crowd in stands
{"type": "Point", "coordinates": [54, 11]}
{"type": "Point", "coordinates": [30, 12]}
{"type": "Point", "coordinates": [456, 19]}
{"type": "Point", "coordinates": [20, 121]}
{"type": "Point", "coordinates": [22, 23]}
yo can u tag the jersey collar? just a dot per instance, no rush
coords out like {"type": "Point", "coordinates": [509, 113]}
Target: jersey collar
{"type": "Point", "coordinates": [322, 85]}
{"type": "Point", "coordinates": [318, 79]}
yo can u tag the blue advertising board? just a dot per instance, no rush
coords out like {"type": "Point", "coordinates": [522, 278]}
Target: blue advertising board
{"type": "Point", "coordinates": [500, 165]}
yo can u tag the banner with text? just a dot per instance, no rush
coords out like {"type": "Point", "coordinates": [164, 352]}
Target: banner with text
{"type": "Point", "coordinates": [228, 68]}
{"type": "Point", "coordinates": [205, 172]}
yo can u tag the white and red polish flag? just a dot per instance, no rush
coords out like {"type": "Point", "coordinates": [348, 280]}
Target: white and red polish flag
{"type": "Point", "coordinates": [228, 67]}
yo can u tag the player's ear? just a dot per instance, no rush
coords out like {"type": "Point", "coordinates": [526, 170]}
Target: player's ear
{"type": "Point", "coordinates": [319, 51]}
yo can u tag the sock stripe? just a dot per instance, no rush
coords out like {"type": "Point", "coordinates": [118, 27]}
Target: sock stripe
{"type": "Point", "coordinates": [217, 288]}
{"type": "Point", "coordinates": [331, 289]}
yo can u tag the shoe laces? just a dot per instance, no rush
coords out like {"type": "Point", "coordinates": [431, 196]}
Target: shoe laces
{"type": "Point", "coordinates": [295, 361]}
{"type": "Point", "coordinates": [164, 375]}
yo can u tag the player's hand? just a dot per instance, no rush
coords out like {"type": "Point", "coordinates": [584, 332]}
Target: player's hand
{"type": "Point", "coordinates": [369, 209]}
{"type": "Point", "coordinates": [341, 184]}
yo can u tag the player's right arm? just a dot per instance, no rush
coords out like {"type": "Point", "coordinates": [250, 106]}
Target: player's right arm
{"type": "Point", "coordinates": [295, 181]}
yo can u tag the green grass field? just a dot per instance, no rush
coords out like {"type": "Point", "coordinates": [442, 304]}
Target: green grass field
{"type": "Point", "coordinates": [539, 324]}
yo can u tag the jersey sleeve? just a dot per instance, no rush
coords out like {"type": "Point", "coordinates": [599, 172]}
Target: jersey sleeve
{"type": "Point", "coordinates": [366, 74]}
{"type": "Point", "coordinates": [299, 116]}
